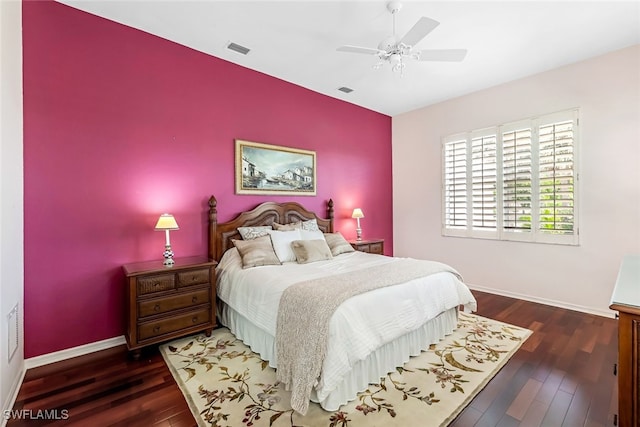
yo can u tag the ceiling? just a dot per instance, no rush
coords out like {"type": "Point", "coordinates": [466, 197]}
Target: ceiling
{"type": "Point", "coordinates": [296, 41]}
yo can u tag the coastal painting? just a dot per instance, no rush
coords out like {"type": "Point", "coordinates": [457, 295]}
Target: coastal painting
{"type": "Point", "coordinates": [272, 169]}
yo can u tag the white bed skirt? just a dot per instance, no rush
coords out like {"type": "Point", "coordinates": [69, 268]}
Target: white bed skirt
{"type": "Point", "coordinates": [383, 360]}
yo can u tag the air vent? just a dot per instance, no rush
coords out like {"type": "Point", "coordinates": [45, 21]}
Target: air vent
{"type": "Point", "coordinates": [345, 89]}
{"type": "Point", "coordinates": [237, 48]}
{"type": "Point", "coordinates": [14, 333]}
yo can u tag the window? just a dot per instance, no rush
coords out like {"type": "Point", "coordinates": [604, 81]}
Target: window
{"type": "Point", "coordinates": [515, 181]}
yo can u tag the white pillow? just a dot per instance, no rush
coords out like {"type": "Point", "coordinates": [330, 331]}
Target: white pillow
{"type": "Point", "coordinates": [311, 235]}
{"type": "Point", "coordinates": [230, 259]}
{"type": "Point", "coordinates": [281, 241]}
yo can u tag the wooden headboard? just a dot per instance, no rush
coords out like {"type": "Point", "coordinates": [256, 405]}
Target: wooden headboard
{"type": "Point", "coordinates": [220, 234]}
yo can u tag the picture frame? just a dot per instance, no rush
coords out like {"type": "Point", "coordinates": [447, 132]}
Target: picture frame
{"type": "Point", "coordinates": [272, 169]}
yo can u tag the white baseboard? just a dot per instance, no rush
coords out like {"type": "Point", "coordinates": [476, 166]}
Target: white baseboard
{"type": "Point", "coordinates": [545, 301]}
{"type": "Point", "coordinates": [12, 396]}
{"type": "Point", "coordinates": [57, 356]}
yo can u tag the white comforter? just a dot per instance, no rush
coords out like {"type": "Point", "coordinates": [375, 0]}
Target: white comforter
{"type": "Point", "coordinates": [360, 325]}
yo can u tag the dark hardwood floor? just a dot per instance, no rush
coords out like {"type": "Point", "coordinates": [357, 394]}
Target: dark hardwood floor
{"type": "Point", "coordinates": [562, 376]}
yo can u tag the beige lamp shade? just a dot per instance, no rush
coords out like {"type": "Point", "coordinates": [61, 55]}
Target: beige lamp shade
{"type": "Point", "coordinates": [166, 222]}
{"type": "Point", "coordinates": [357, 213]}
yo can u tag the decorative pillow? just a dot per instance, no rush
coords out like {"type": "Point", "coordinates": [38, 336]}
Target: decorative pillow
{"type": "Point", "coordinates": [256, 252]}
{"type": "Point", "coordinates": [281, 241]}
{"type": "Point", "coordinates": [337, 243]}
{"type": "Point", "coordinates": [311, 235]}
{"type": "Point", "coordinates": [311, 225]}
{"type": "Point", "coordinates": [287, 227]}
{"type": "Point", "coordinates": [311, 250]}
{"type": "Point", "coordinates": [249, 233]}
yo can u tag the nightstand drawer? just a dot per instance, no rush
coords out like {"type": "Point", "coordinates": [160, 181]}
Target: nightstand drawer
{"type": "Point", "coordinates": [158, 283]}
{"type": "Point", "coordinates": [174, 323]}
{"type": "Point", "coordinates": [162, 305]}
{"type": "Point", "coordinates": [193, 277]}
{"type": "Point", "coordinates": [372, 246]}
{"type": "Point", "coordinates": [375, 248]}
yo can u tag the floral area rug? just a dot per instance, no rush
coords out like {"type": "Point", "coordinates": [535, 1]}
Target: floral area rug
{"type": "Point", "coordinates": [226, 384]}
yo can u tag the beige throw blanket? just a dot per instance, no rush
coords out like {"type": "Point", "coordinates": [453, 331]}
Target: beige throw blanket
{"type": "Point", "coordinates": [305, 311]}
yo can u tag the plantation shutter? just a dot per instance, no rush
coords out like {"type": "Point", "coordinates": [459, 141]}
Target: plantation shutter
{"type": "Point", "coordinates": [484, 182]}
{"type": "Point", "coordinates": [455, 184]}
{"type": "Point", "coordinates": [516, 180]}
{"type": "Point", "coordinates": [557, 178]}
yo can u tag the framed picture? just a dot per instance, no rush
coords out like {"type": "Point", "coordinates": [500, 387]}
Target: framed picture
{"type": "Point", "coordinates": [272, 169]}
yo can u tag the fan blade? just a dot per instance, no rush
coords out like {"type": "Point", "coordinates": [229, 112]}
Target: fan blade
{"type": "Point", "coordinates": [357, 49]}
{"type": "Point", "coordinates": [444, 55]}
{"type": "Point", "coordinates": [423, 27]}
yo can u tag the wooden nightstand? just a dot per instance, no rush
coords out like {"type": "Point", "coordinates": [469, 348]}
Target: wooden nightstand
{"type": "Point", "coordinates": [164, 303]}
{"type": "Point", "coordinates": [373, 246]}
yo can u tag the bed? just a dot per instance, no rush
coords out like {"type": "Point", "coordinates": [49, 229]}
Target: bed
{"type": "Point", "coordinates": [369, 333]}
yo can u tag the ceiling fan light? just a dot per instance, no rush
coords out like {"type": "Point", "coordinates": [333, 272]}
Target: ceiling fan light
{"type": "Point", "coordinates": [398, 68]}
{"type": "Point", "coordinates": [397, 65]}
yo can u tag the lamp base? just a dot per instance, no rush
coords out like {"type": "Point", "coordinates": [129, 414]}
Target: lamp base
{"type": "Point", "coordinates": [168, 256]}
{"type": "Point", "coordinates": [358, 233]}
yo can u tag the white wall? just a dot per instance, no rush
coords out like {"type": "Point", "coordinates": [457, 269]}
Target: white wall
{"type": "Point", "coordinates": [607, 91]}
{"type": "Point", "coordinates": [11, 194]}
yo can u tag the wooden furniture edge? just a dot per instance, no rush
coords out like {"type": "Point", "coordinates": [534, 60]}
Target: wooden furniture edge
{"type": "Point", "coordinates": [631, 309]}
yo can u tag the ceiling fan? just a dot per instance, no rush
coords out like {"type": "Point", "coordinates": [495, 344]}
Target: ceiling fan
{"type": "Point", "coordinates": [396, 50]}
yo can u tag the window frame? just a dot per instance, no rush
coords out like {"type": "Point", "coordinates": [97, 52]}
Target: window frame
{"type": "Point", "coordinates": [535, 234]}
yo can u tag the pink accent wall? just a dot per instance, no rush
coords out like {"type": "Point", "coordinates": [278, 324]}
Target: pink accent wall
{"type": "Point", "coordinates": [120, 126]}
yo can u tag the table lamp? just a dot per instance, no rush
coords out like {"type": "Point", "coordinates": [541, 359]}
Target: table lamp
{"type": "Point", "coordinates": [357, 214]}
{"type": "Point", "coordinates": [167, 222]}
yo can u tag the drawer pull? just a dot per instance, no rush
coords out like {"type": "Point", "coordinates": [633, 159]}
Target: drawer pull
{"type": "Point", "coordinates": [156, 329]}
{"type": "Point", "coordinates": [156, 307]}
{"type": "Point", "coordinates": [194, 319]}
{"type": "Point", "coordinates": [194, 299]}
